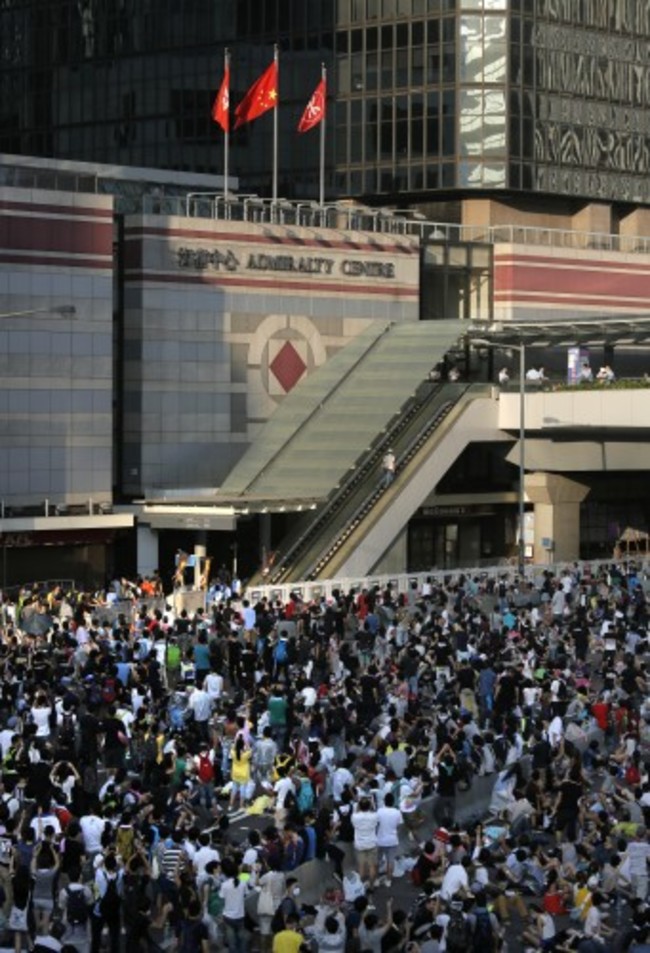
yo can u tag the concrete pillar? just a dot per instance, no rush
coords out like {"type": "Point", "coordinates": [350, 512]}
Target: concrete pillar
{"type": "Point", "coordinates": [557, 516]}
{"type": "Point", "coordinates": [265, 541]}
{"type": "Point", "coordinates": [200, 553]}
{"type": "Point", "coordinates": [147, 549]}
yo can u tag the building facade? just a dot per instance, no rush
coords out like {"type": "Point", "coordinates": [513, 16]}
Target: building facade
{"type": "Point", "coordinates": [429, 100]}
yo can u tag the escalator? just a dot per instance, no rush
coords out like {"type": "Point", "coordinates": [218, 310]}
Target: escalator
{"type": "Point", "coordinates": [318, 545]}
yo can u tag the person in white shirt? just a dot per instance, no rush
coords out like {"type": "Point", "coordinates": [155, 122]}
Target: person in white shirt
{"type": "Point", "coordinates": [281, 789]}
{"type": "Point", "coordinates": [200, 704]}
{"type": "Point", "coordinates": [309, 696]}
{"type": "Point", "coordinates": [233, 892]}
{"type": "Point", "coordinates": [555, 731]}
{"type": "Point", "coordinates": [342, 778]}
{"type": "Point", "coordinates": [389, 819]}
{"type": "Point", "coordinates": [92, 828]}
{"type": "Point", "coordinates": [456, 880]}
{"type": "Point", "coordinates": [365, 823]}
{"type": "Point", "coordinates": [213, 685]}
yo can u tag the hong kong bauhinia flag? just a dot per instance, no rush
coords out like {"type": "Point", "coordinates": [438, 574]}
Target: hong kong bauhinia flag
{"type": "Point", "coordinates": [315, 109]}
{"type": "Point", "coordinates": [262, 95]}
{"type": "Point", "coordinates": [221, 104]}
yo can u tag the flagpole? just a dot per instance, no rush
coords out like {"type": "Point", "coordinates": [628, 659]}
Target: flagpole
{"type": "Point", "coordinates": [226, 138]}
{"type": "Point", "coordinates": [276, 57]}
{"type": "Point", "coordinates": [322, 142]}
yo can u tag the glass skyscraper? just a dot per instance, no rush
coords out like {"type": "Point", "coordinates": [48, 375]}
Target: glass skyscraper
{"type": "Point", "coordinates": [429, 100]}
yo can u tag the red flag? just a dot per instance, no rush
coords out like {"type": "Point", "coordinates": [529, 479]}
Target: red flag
{"type": "Point", "coordinates": [262, 95]}
{"type": "Point", "coordinates": [314, 110]}
{"type": "Point", "coordinates": [221, 105]}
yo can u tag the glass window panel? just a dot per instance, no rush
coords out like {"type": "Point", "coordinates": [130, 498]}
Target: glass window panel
{"type": "Point", "coordinates": [401, 35]}
{"type": "Point", "coordinates": [401, 68]}
{"type": "Point", "coordinates": [433, 32]}
{"type": "Point", "coordinates": [417, 67]}
{"type": "Point", "coordinates": [448, 29]}
{"type": "Point", "coordinates": [387, 69]}
{"type": "Point", "coordinates": [356, 41]}
{"type": "Point", "coordinates": [404, 8]}
{"type": "Point", "coordinates": [356, 62]}
{"type": "Point", "coordinates": [495, 101]}
{"type": "Point", "coordinates": [387, 37]}
{"type": "Point", "coordinates": [449, 64]}
{"type": "Point", "coordinates": [417, 33]}
{"type": "Point", "coordinates": [344, 85]}
{"type": "Point", "coordinates": [401, 138]}
{"type": "Point", "coordinates": [417, 127]}
{"type": "Point", "coordinates": [494, 174]}
{"type": "Point", "coordinates": [372, 71]}
{"type": "Point", "coordinates": [373, 9]}
{"type": "Point", "coordinates": [448, 175]}
{"type": "Point", "coordinates": [470, 131]}
{"type": "Point", "coordinates": [471, 49]}
{"type": "Point", "coordinates": [471, 102]}
{"type": "Point", "coordinates": [372, 38]}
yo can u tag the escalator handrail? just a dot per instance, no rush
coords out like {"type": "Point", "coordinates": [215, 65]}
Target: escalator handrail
{"type": "Point", "coordinates": [364, 464]}
{"type": "Point", "coordinates": [378, 491]}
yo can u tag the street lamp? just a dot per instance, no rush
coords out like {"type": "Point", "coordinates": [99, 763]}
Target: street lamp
{"type": "Point", "coordinates": [521, 347]}
{"type": "Point", "coordinates": [63, 311]}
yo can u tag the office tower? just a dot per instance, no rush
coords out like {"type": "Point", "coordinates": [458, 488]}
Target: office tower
{"type": "Point", "coordinates": [430, 100]}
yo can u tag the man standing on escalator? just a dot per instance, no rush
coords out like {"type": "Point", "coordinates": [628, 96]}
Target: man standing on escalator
{"type": "Point", "coordinates": [388, 468]}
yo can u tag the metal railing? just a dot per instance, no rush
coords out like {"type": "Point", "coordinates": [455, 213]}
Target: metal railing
{"type": "Point", "coordinates": [482, 576]}
{"type": "Point", "coordinates": [350, 216]}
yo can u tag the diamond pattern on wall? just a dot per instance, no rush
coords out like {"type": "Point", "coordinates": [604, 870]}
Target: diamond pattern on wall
{"type": "Point", "coordinates": [287, 366]}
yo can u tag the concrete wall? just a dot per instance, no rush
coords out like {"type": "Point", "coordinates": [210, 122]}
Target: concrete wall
{"type": "Point", "coordinates": [56, 373]}
{"type": "Point", "coordinates": [222, 321]}
{"type": "Point", "coordinates": [537, 283]}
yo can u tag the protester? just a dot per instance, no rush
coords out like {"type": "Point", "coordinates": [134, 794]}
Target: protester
{"type": "Point", "coordinates": [134, 744]}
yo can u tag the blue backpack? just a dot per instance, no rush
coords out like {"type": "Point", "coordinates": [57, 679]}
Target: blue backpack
{"type": "Point", "coordinates": [281, 653]}
{"type": "Point", "coordinates": [305, 798]}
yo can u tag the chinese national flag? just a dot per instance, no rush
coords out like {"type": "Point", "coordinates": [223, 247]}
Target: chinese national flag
{"type": "Point", "coordinates": [262, 95]}
{"type": "Point", "coordinates": [221, 105]}
{"type": "Point", "coordinates": [314, 110]}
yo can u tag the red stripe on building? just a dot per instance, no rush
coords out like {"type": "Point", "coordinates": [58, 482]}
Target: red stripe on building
{"type": "Point", "coordinates": [73, 237]}
{"type": "Point", "coordinates": [525, 277]}
{"type": "Point", "coordinates": [255, 238]}
{"type": "Point", "coordinates": [56, 261]}
{"type": "Point", "coordinates": [551, 299]}
{"type": "Point", "coordinates": [563, 261]}
{"type": "Point", "coordinates": [353, 287]}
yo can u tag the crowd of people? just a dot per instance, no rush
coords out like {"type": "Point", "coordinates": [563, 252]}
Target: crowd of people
{"type": "Point", "coordinates": [351, 730]}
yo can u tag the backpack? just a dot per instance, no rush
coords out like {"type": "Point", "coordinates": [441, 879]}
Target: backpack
{"type": "Point", "coordinates": [458, 933]}
{"type": "Point", "coordinates": [483, 939]}
{"type": "Point", "coordinates": [215, 900]}
{"type": "Point", "coordinates": [125, 842]}
{"type": "Point", "coordinates": [109, 690]}
{"type": "Point", "coordinates": [346, 828]}
{"type": "Point", "coordinates": [77, 909]}
{"type": "Point", "coordinates": [205, 769]}
{"type": "Point", "coordinates": [281, 654]}
{"type": "Point", "coordinates": [66, 732]}
{"type": "Point", "coordinates": [173, 658]}
{"type": "Point", "coordinates": [109, 905]}
{"type": "Point", "coordinates": [305, 796]}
